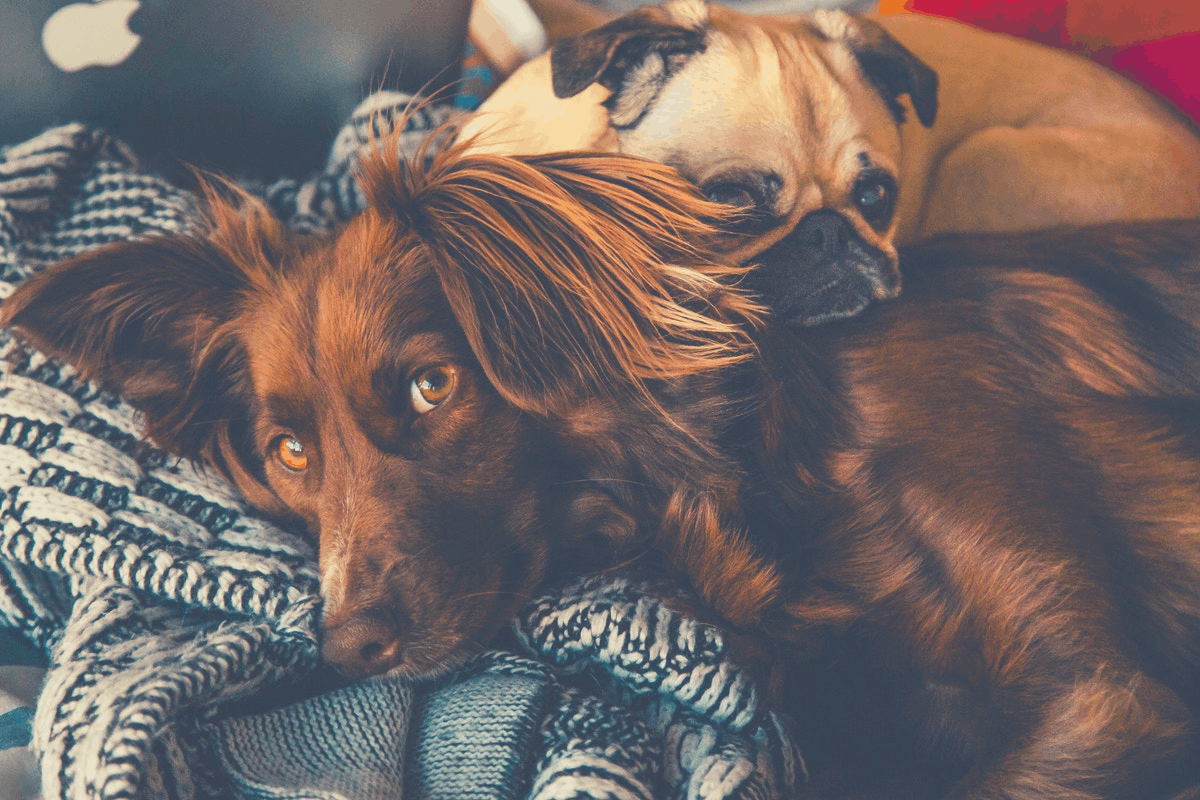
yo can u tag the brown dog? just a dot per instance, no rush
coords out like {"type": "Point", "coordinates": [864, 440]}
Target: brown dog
{"type": "Point", "coordinates": [809, 123]}
{"type": "Point", "coordinates": [973, 516]}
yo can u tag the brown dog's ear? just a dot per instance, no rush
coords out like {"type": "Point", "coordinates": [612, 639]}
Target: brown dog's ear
{"type": "Point", "coordinates": [148, 320]}
{"type": "Point", "coordinates": [632, 56]}
{"type": "Point", "coordinates": [890, 66]}
{"type": "Point", "coordinates": [572, 275]}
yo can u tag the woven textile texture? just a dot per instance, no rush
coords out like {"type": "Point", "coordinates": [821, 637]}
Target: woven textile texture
{"type": "Point", "coordinates": [181, 628]}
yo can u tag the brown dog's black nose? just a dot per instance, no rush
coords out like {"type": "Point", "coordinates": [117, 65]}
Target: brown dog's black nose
{"type": "Point", "coordinates": [366, 644]}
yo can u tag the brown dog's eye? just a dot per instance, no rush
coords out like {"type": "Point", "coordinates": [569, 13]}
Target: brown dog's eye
{"type": "Point", "coordinates": [292, 453]}
{"type": "Point", "coordinates": [432, 387]}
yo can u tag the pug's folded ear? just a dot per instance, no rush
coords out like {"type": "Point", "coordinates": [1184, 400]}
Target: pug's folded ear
{"type": "Point", "coordinates": [890, 66]}
{"type": "Point", "coordinates": [632, 56]}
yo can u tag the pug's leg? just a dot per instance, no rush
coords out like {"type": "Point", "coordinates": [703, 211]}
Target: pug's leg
{"type": "Point", "coordinates": [1012, 179]}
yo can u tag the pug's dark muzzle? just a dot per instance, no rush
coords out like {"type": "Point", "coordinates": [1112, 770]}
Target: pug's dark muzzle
{"type": "Point", "coordinates": [824, 271]}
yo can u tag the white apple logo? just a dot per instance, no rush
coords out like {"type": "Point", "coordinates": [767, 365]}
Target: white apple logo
{"type": "Point", "coordinates": [90, 34]}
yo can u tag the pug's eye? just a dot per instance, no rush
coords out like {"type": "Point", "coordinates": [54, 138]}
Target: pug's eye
{"type": "Point", "coordinates": [875, 198]}
{"type": "Point", "coordinates": [431, 388]}
{"type": "Point", "coordinates": [292, 453]}
{"type": "Point", "coordinates": [753, 194]}
{"type": "Point", "coordinates": [732, 194]}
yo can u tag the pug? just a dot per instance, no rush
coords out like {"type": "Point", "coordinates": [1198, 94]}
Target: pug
{"type": "Point", "coordinates": [841, 136]}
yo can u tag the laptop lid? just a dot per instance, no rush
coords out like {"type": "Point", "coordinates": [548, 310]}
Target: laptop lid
{"type": "Point", "coordinates": [250, 87]}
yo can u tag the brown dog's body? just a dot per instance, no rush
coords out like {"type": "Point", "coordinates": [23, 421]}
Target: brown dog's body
{"type": "Point", "coordinates": [1001, 474]}
{"type": "Point", "coordinates": [796, 118]}
{"type": "Point", "coordinates": [973, 517]}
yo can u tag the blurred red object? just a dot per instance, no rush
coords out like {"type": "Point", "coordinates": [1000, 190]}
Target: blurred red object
{"type": "Point", "coordinates": [1039, 20]}
{"type": "Point", "coordinates": [1168, 67]}
{"type": "Point", "coordinates": [1155, 43]}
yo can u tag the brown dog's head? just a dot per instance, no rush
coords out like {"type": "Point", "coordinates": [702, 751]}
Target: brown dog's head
{"type": "Point", "coordinates": [432, 391]}
{"type": "Point", "coordinates": [793, 119]}
{"type": "Point", "coordinates": [421, 390]}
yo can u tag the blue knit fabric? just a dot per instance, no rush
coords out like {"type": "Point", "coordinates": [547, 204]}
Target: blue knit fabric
{"type": "Point", "coordinates": [480, 732]}
{"type": "Point", "coordinates": [165, 605]}
{"type": "Point", "coordinates": [343, 743]}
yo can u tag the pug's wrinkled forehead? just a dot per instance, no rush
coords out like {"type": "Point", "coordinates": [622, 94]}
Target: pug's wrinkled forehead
{"type": "Point", "coordinates": [636, 55]}
{"type": "Point", "coordinates": [594, 85]}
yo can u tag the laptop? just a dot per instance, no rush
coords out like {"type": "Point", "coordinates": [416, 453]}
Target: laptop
{"type": "Point", "coordinates": [254, 88]}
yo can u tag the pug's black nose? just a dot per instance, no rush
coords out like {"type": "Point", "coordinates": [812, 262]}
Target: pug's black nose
{"type": "Point", "coordinates": [822, 236]}
{"type": "Point", "coordinates": [368, 643]}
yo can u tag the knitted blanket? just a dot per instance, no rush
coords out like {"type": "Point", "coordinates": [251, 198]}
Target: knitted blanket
{"type": "Point", "coordinates": [179, 629]}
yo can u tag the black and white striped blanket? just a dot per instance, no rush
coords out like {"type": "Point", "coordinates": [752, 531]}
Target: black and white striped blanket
{"type": "Point", "coordinates": [179, 628]}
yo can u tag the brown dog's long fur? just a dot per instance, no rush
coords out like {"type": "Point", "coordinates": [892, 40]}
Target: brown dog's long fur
{"type": "Point", "coordinates": [963, 530]}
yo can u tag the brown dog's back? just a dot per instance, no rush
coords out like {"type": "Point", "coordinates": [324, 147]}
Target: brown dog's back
{"type": "Point", "coordinates": [1003, 471]}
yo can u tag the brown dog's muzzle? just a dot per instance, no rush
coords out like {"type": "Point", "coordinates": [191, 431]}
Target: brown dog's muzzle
{"type": "Point", "coordinates": [824, 270]}
{"type": "Point", "coordinates": [421, 603]}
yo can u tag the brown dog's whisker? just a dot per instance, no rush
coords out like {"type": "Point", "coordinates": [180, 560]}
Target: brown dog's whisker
{"type": "Point", "coordinates": [604, 480]}
{"type": "Point", "coordinates": [492, 594]}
